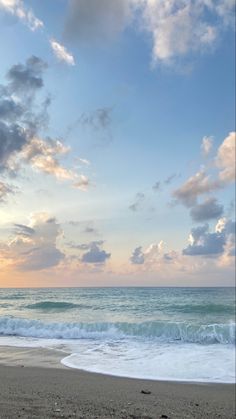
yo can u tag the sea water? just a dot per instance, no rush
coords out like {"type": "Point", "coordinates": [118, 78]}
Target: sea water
{"type": "Point", "coordinates": [183, 334]}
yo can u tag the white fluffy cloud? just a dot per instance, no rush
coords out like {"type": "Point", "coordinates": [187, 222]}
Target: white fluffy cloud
{"type": "Point", "coordinates": [17, 8]}
{"type": "Point", "coordinates": [202, 242]}
{"type": "Point", "coordinates": [202, 183]}
{"type": "Point", "coordinates": [34, 246]}
{"type": "Point", "coordinates": [148, 256]}
{"type": "Point", "coordinates": [61, 52]}
{"type": "Point", "coordinates": [176, 27]}
{"type": "Point", "coordinates": [225, 159]}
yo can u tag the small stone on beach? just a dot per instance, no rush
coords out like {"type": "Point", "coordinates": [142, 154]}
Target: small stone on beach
{"type": "Point", "coordinates": [145, 391]}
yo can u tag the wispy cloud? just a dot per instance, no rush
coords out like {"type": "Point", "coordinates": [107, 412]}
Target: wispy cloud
{"type": "Point", "coordinates": [5, 191]}
{"type": "Point", "coordinates": [18, 9]}
{"type": "Point", "coordinates": [61, 52]}
{"type": "Point", "coordinates": [82, 183]}
{"type": "Point", "coordinates": [138, 202]}
{"type": "Point", "coordinates": [206, 146]}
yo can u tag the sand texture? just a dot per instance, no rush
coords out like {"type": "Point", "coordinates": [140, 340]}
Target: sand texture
{"type": "Point", "coordinates": [44, 391]}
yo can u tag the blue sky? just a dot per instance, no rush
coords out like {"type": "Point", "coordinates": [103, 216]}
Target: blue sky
{"type": "Point", "coordinates": [140, 99]}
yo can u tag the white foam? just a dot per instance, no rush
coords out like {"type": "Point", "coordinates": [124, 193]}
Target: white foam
{"type": "Point", "coordinates": [163, 331]}
{"type": "Point", "coordinates": [183, 362]}
{"type": "Point", "coordinates": [137, 359]}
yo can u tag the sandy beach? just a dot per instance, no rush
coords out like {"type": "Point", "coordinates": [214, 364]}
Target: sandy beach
{"type": "Point", "coordinates": [34, 384]}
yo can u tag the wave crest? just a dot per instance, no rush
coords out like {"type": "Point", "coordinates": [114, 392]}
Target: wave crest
{"type": "Point", "coordinates": [164, 331]}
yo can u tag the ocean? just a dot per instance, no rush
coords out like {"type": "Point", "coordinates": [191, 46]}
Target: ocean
{"type": "Point", "coordinates": [180, 334]}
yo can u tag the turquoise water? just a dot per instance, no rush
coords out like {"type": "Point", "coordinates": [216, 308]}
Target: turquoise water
{"type": "Point", "coordinates": [160, 333]}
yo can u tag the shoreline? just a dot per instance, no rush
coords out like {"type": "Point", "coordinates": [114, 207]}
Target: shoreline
{"type": "Point", "coordinates": [37, 385]}
{"type": "Point", "coordinates": [52, 358]}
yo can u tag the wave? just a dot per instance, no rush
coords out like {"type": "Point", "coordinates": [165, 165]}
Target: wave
{"type": "Point", "coordinates": [163, 331]}
{"type": "Point", "coordinates": [53, 305]}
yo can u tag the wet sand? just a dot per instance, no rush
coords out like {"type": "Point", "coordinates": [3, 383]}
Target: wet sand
{"type": "Point", "coordinates": [33, 384]}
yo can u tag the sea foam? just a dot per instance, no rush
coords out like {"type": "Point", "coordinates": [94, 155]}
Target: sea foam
{"type": "Point", "coordinates": [163, 331]}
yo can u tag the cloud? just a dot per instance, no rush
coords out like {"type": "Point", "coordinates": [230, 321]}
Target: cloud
{"type": "Point", "coordinates": [180, 27]}
{"type": "Point", "coordinates": [23, 230]}
{"type": "Point", "coordinates": [61, 53]}
{"type": "Point", "coordinates": [98, 119]}
{"type": "Point", "coordinates": [5, 190]}
{"type": "Point", "coordinates": [13, 138]}
{"type": "Point", "coordinates": [137, 257]}
{"type": "Point", "coordinates": [196, 185]}
{"type": "Point", "coordinates": [17, 121]}
{"type": "Point", "coordinates": [83, 161]}
{"type": "Point", "coordinates": [95, 255]}
{"type": "Point", "coordinates": [137, 205]}
{"type": "Point", "coordinates": [89, 229]}
{"type": "Point", "coordinates": [83, 183]}
{"type": "Point", "coordinates": [92, 252]}
{"type": "Point", "coordinates": [208, 210]}
{"type": "Point", "coordinates": [204, 243]}
{"type": "Point", "coordinates": [170, 178]}
{"type": "Point", "coordinates": [89, 20]}
{"type": "Point", "coordinates": [201, 183]}
{"type": "Point", "coordinates": [34, 246]}
{"type": "Point", "coordinates": [177, 28]}
{"type": "Point", "coordinates": [206, 146]}
{"type": "Point", "coordinates": [225, 159]}
{"type": "Point", "coordinates": [17, 8]}
{"type": "Point", "coordinates": [26, 77]}
{"type": "Point", "coordinates": [21, 120]}
{"type": "Point", "coordinates": [42, 154]}
{"type": "Point", "coordinates": [148, 256]}
{"type": "Point", "coordinates": [227, 226]}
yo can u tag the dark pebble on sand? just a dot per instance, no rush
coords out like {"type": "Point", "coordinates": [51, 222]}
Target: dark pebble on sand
{"type": "Point", "coordinates": [164, 416]}
{"type": "Point", "coordinates": [145, 391]}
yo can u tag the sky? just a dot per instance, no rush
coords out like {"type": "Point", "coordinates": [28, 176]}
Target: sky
{"type": "Point", "coordinates": [117, 143]}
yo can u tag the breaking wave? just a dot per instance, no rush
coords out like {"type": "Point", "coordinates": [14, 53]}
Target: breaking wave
{"type": "Point", "coordinates": [163, 331]}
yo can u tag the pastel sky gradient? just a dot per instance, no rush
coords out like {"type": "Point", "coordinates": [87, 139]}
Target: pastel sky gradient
{"type": "Point", "coordinates": [117, 143]}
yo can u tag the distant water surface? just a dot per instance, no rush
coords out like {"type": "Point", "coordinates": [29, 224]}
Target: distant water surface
{"type": "Point", "coordinates": [158, 333]}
